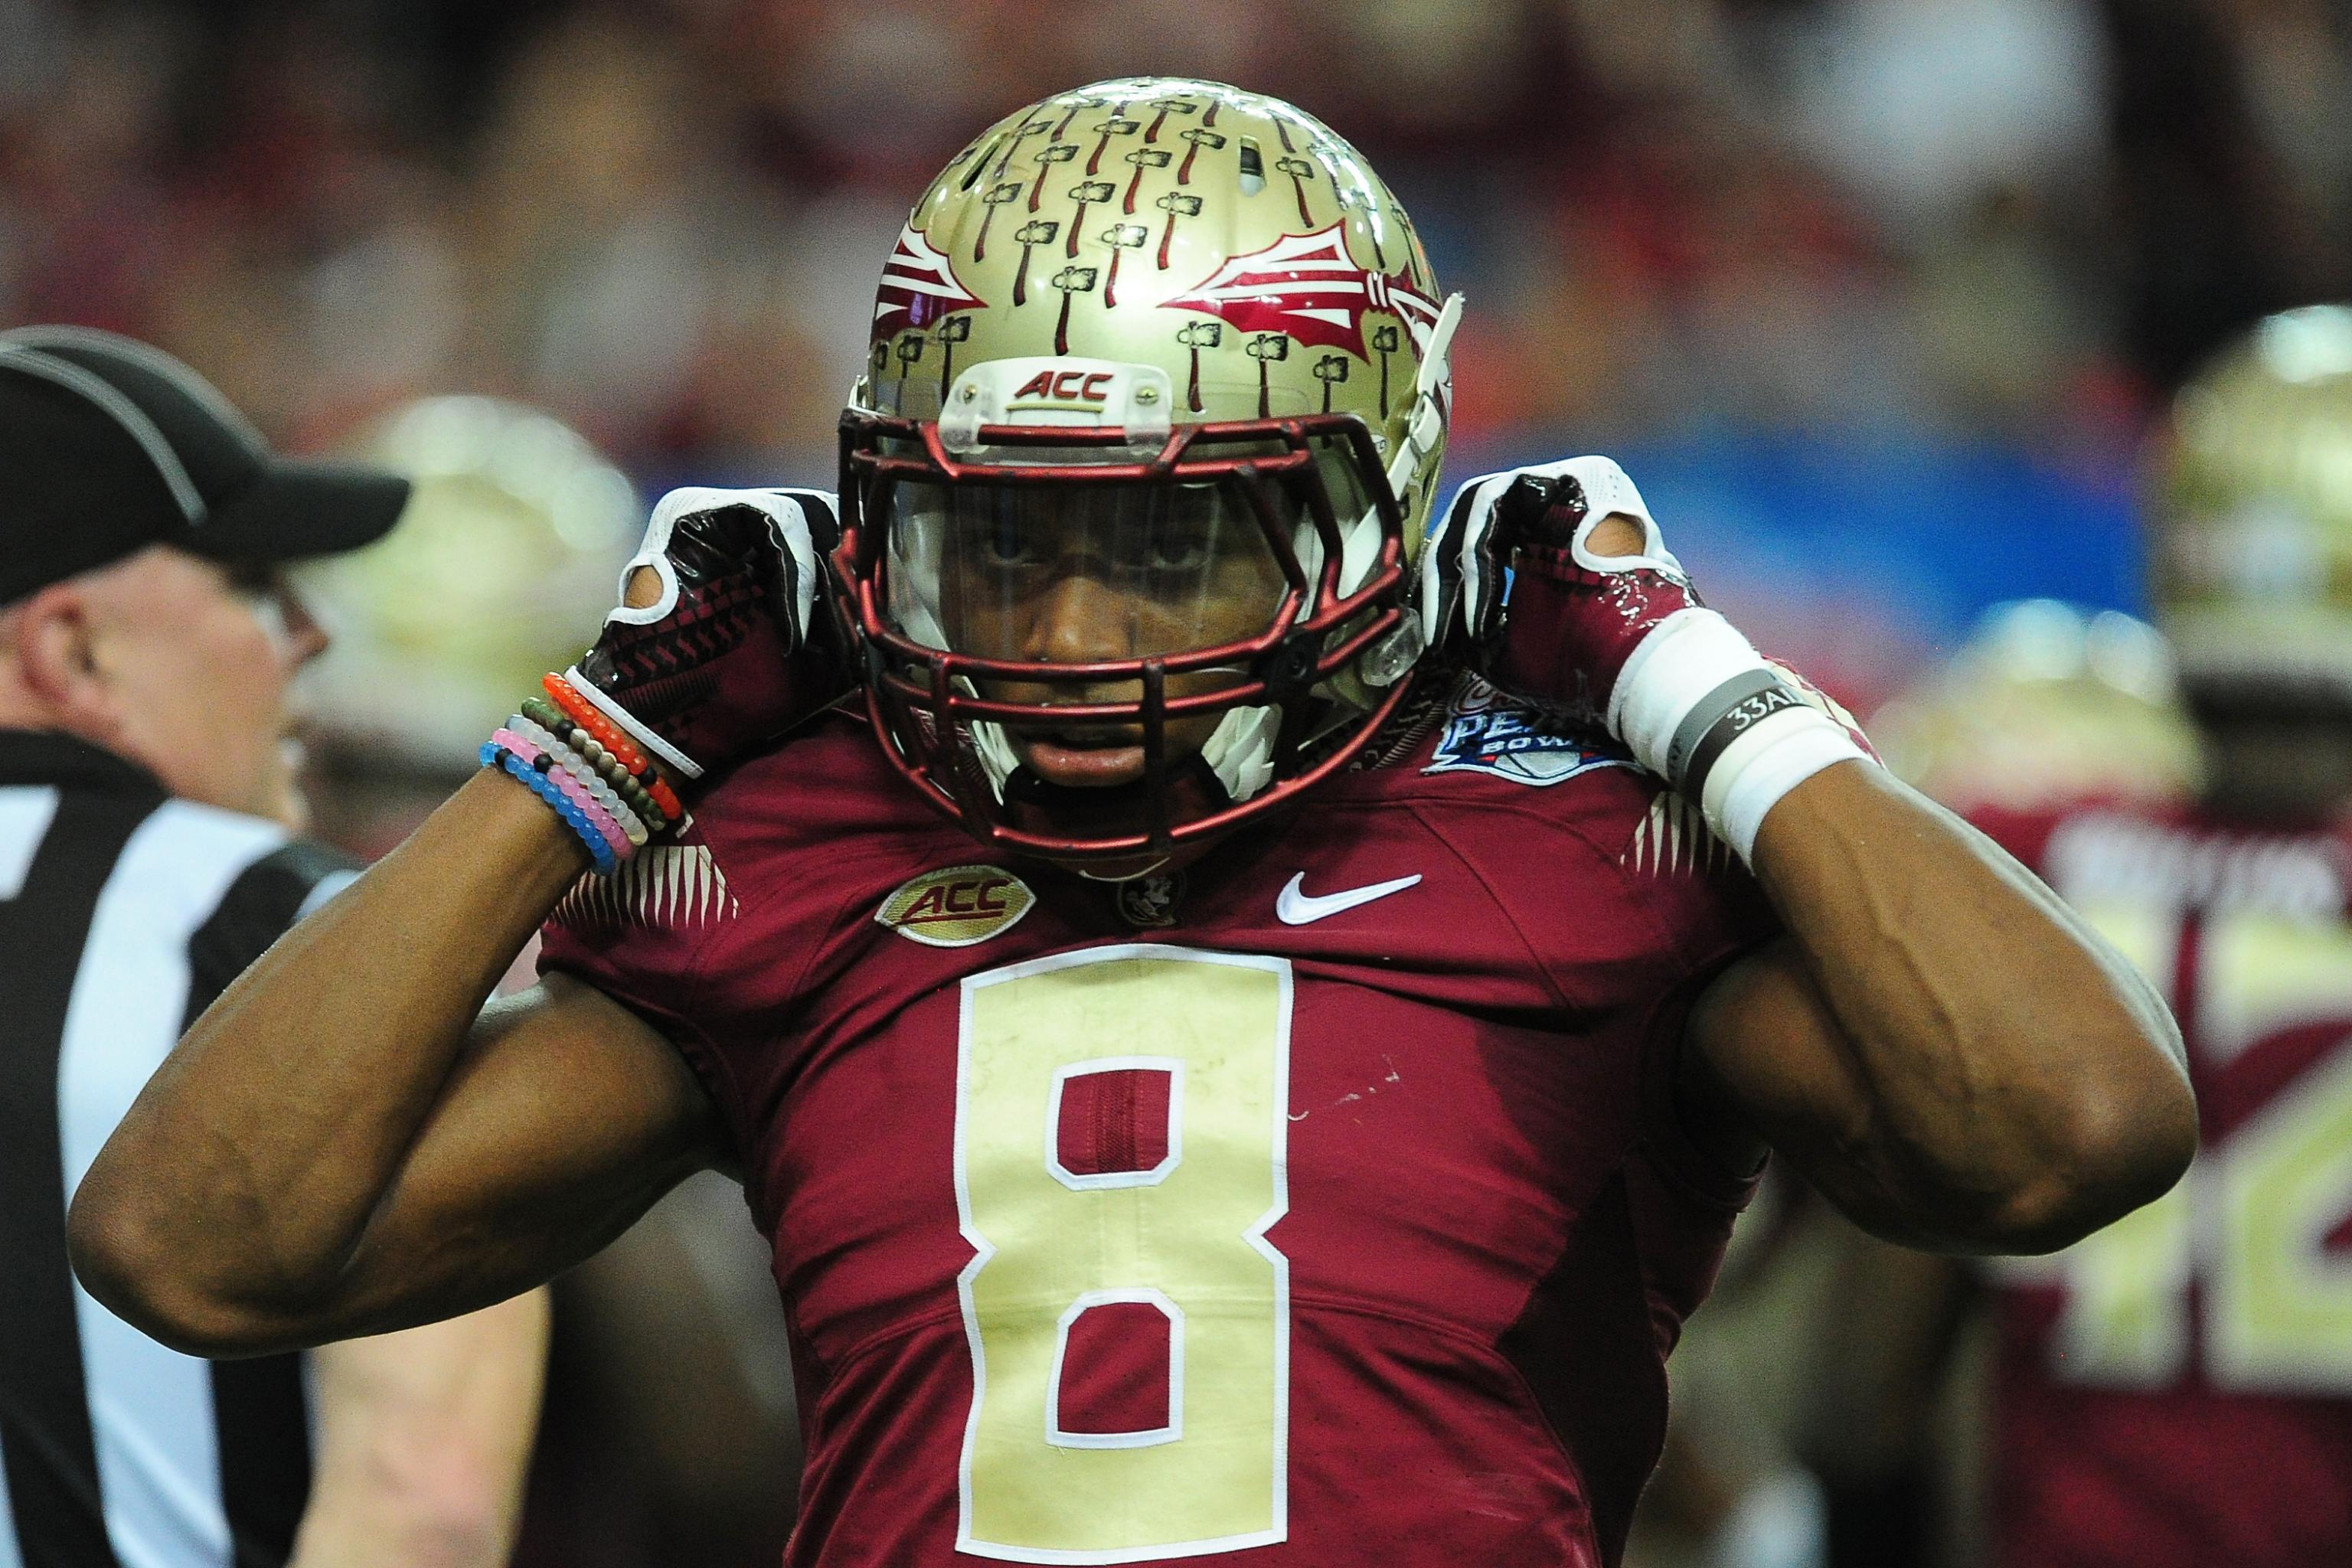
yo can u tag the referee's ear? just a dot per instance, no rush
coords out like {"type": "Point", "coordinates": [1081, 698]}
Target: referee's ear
{"type": "Point", "coordinates": [57, 673]}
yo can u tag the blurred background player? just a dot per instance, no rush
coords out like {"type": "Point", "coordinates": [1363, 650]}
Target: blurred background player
{"type": "Point", "coordinates": [513, 538]}
{"type": "Point", "coordinates": [148, 800]}
{"type": "Point", "coordinates": [2177, 1389]}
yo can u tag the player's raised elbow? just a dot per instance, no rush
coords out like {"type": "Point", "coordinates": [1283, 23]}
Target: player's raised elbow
{"type": "Point", "coordinates": [2114, 1141]}
{"type": "Point", "coordinates": [130, 1264]}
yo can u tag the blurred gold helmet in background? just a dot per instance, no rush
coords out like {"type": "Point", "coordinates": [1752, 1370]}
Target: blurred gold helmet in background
{"type": "Point", "coordinates": [2252, 512]}
{"type": "Point", "coordinates": [2045, 705]}
{"type": "Point", "coordinates": [500, 569]}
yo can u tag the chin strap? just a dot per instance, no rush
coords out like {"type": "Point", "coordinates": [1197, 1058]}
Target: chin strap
{"type": "Point", "coordinates": [1425, 433]}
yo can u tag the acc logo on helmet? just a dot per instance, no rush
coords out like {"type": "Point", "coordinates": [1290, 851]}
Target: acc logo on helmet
{"type": "Point", "coordinates": [1067, 386]}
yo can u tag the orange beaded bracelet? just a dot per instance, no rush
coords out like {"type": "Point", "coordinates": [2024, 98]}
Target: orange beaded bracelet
{"type": "Point", "coordinates": [610, 735]}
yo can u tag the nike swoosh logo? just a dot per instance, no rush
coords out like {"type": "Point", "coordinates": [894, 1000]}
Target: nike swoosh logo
{"type": "Point", "coordinates": [1295, 908]}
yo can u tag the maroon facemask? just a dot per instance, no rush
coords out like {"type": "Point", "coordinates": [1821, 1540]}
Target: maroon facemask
{"type": "Point", "coordinates": [1108, 596]}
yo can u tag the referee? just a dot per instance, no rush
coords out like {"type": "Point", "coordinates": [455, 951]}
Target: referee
{"type": "Point", "coordinates": [147, 807]}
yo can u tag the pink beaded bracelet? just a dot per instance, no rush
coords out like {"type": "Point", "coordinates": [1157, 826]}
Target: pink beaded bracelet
{"type": "Point", "coordinates": [572, 790]}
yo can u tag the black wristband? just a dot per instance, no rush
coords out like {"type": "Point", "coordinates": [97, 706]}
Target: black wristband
{"type": "Point", "coordinates": [1719, 718]}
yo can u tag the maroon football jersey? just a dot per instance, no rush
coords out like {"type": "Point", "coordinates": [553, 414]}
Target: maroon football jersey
{"type": "Point", "coordinates": [1324, 1203]}
{"type": "Point", "coordinates": [2175, 1391]}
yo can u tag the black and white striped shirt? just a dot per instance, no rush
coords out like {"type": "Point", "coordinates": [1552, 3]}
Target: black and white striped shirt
{"type": "Point", "coordinates": [122, 914]}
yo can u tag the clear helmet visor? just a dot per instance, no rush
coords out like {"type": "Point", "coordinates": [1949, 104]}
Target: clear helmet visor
{"type": "Point", "coordinates": [1076, 574]}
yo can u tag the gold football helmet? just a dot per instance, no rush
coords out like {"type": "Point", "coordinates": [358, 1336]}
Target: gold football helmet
{"type": "Point", "coordinates": [2253, 509]}
{"type": "Point", "coordinates": [1177, 346]}
{"type": "Point", "coordinates": [2045, 705]}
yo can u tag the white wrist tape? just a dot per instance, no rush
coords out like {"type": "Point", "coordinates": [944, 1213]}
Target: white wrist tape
{"type": "Point", "coordinates": [1699, 707]}
{"type": "Point", "coordinates": [1691, 653]}
{"type": "Point", "coordinates": [1780, 754]}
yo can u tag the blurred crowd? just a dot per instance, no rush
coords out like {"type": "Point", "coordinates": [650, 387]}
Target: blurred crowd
{"type": "Point", "coordinates": [661, 221]}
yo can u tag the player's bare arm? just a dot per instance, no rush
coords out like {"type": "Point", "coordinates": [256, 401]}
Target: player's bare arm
{"type": "Point", "coordinates": [351, 1140]}
{"type": "Point", "coordinates": [1943, 1047]}
{"type": "Point", "coordinates": [1939, 1044]}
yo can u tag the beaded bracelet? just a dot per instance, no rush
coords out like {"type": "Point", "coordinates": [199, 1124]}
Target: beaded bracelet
{"type": "Point", "coordinates": [599, 851]}
{"type": "Point", "coordinates": [626, 784]}
{"type": "Point", "coordinates": [563, 756]}
{"type": "Point", "coordinates": [608, 734]}
{"type": "Point", "coordinates": [546, 766]}
{"type": "Point", "coordinates": [585, 714]}
{"type": "Point", "coordinates": [572, 763]}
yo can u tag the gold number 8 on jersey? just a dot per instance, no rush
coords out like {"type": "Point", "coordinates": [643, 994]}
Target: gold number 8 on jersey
{"type": "Point", "coordinates": [1186, 1236]}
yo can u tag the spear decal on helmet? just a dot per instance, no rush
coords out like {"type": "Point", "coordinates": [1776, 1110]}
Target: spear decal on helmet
{"type": "Point", "coordinates": [1300, 171]}
{"type": "Point", "coordinates": [1173, 106]}
{"type": "Point", "coordinates": [1086, 192]}
{"type": "Point", "coordinates": [1355, 199]}
{"type": "Point", "coordinates": [1307, 286]}
{"type": "Point", "coordinates": [918, 286]}
{"type": "Point", "coordinates": [1384, 344]}
{"type": "Point", "coordinates": [1114, 126]}
{"type": "Point", "coordinates": [1266, 348]}
{"type": "Point", "coordinates": [1012, 145]}
{"type": "Point", "coordinates": [910, 349]}
{"type": "Point", "coordinates": [1121, 238]}
{"type": "Point", "coordinates": [1077, 104]}
{"type": "Point", "coordinates": [992, 198]}
{"type": "Point", "coordinates": [1198, 139]}
{"type": "Point", "coordinates": [1176, 205]}
{"type": "Point", "coordinates": [1196, 336]}
{"type": "Point", "coordinates": [1330, 370]}
{"type": "Point", "coordinates": [1031, 235]}
{"type": "Point", "coordinates": [1144, 158]}
{"type": "Point", "coordinates": [1070, 281]}
{"type": "Point", "coordinates": [953, 331]}
{"type": "Point", "coordinates": [1059, 153]}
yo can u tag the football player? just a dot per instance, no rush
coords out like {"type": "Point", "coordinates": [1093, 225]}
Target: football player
{"type": "Point", "coordinates": [2177, 1390]}
{"type": "Point", "coordinates": [1219, 1077]}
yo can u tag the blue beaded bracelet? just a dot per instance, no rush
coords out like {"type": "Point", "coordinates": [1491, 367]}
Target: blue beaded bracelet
{"type": "Point", "coordinates": [598, 851]}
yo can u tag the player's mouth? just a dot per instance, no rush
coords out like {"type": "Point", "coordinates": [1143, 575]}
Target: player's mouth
{"type": "Point", "coordinates": [1083, 757]}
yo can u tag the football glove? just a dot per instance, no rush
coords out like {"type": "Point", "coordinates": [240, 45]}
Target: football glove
{"type": "Point", "coordinates": [1510, 580]}
{"type": "Point", "coordinates": [737, 645]}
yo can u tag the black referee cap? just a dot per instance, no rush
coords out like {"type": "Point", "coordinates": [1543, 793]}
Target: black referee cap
{"type": "Point", "coordinates": [108, 445]}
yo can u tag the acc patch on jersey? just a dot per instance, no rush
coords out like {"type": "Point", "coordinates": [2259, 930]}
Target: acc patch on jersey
{"type": "Point", "coordinates": [1486, 731]}
{"type": "Point", "coordinates": [957, 906]}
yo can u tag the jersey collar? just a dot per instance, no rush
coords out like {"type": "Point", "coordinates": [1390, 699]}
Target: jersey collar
{"type": "Point", "coordinates": [50, 757]}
